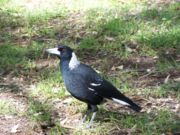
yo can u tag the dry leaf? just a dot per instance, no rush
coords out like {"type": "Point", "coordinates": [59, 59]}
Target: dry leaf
{"type": "Point", "coordinates": [109, 38]}
{"type": "Point", "coordinates": [120, 67]}
{"type": "Point", "coordinates": [148, 70]}
{"type": "Point", "coordinates": [177, 79]}
{"type": "Point", "coordinates": [113, 68]}
{"type": "Point", "coordinates": [129, 49]}
{"type": "Point", "coordinates": [14, 128]}
{"type": "Point", "coordinates": [67, 101]}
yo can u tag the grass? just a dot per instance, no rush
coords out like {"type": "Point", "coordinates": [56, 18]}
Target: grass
{"type": "Point", "coordinates": [109, 34]}
{"type": "Point", "coordinates": [58, 130]}
{"type": "Point", "coordinates": [171, 87]}
{"type": "Point", "coordinates": [39, 112]}
{"type": "Point", "coordinates": [161, 121]}
{"type": "Point", "coordinates": [6, 107]}
{"type": "Point", "coordinates": [146, 124]}
{"type": "Point", "coordinates": [49, 85]}
{"type": "Point", "coordinates": [15, 57]}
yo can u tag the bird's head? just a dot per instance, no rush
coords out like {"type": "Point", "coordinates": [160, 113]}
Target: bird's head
{"type": "Point", "coordinates": [65, 53]}
{"type": "Point", "coordinates": [61, 51]}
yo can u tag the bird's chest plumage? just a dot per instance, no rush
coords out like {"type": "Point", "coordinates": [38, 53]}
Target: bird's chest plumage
{"type": "Point", "coordinates": [74, 83]}
{"type": "Point", "coordinates": [70, 81]}
{"type": "Point", "coordinates": [77, 83]}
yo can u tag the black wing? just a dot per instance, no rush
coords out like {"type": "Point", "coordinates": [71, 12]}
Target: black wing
{"type": "Point", "coordinates": [104, 88]}
{"type": "Point", "coordinates": [95, 82]}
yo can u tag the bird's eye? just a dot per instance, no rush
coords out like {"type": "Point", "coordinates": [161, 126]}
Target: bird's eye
{"type": "Point", "coordinates": [61, 49]}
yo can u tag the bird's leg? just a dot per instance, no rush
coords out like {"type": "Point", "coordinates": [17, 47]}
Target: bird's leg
{"type": "Point", "coordinates": [87, 113]}
{"type": "Point", "coordinates": [92, 120]}
{"type": "Point", "coordinates": [94, 110]}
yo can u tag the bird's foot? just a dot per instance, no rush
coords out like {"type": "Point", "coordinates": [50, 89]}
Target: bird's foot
{"type": "Point", "coordinates": [84, 118]}
{"type": "Point", "coordinates": [91, 121]}
{"type": "Point", "coordinates": [85, 125]}
{"type": "Point", "coordinates": [89, 125]}
{"type": "Point", "coordinates": [82, 121]}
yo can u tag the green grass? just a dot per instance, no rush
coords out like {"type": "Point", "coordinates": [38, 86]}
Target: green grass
{"type": "Point", "coordinates": [163, 39]}
{"type": "Point", "coordinates": [167, 64]}
{"type": "Point", "coordinates": [162, 91]}
{"type": "Point", "coordinates": [170, 87]}
{"type": "Point", "coordinates": [107, 31]}
{"type": "Point", "coordinates": [39, 112]}
{"type": "Point", "coordinates": [50, 86]}
{"type": "Point", "coordinates": [11, 55]}
{"type": "Point", "coordinates": [58, 130]}
{"type": "Point", "coordinates": [155, 123]}
{"type": "Point", "coordinates": [119, 27]}
{"type": "Point", "coordinates": [14, 57]}
{"type": "Point", "coordinates": [6, 108]}
{"type": "Point", "coordinates": [149, 124]}
{"type": "Point", "coordinates": [89, 43]}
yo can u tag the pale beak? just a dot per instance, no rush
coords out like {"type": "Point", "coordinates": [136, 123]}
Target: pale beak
{"type": "Point", "coordinates": [53, 51]}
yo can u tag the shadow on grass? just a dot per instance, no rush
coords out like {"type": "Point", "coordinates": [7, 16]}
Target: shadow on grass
{"type": "Point", "coordinates": [14, 58]}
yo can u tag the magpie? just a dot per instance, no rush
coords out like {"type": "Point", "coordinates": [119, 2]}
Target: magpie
{"type": "Point", "coordinates": [86, 84]}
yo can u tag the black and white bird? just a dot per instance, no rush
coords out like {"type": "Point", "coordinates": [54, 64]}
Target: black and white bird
{"type": "Point", "coordinates": [86, 84]}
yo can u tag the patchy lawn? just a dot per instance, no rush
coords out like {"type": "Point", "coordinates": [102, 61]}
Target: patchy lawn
{"type": "Point", "coordinates": [134, 44]}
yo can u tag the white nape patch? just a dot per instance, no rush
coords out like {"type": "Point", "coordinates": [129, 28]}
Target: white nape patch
{"type": "Point", "coordinates": [94, 84]}
{"type": "Point", "coordinates": [53, 51]}
{"type": "Point", "coordinates": [74, 62]}
{"type": "Point", "coordinates": [91, 89]}
{"type": "Point", "coordinates": [120, 101]}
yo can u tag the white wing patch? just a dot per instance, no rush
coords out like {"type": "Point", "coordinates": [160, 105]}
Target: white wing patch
{"type": "Point", "coordinates": [91, 89]}
{"type": "Point", "coordinates": [74, 62]}
{"type": "Point", "coordinates": [120, 101]}
{"type": "Point", "coordinates": [95, 84]}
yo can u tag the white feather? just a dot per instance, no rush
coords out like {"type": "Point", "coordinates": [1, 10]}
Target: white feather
{"type": "Point", "coordinates": [73, 62]}
{"type": "Point", "coordinates": [91, 89]}
{"type": "Point", "coordinates": [94, 84]}
{"type": "Point", "coordinates": [120, 101]}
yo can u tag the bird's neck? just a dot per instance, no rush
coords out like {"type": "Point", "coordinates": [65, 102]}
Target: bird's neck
{"type": "Point", "coordinates": [64, 64]}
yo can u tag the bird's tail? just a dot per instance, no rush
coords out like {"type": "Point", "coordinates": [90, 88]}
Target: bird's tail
{"type": "Point", "coordinates": [126, 101]}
